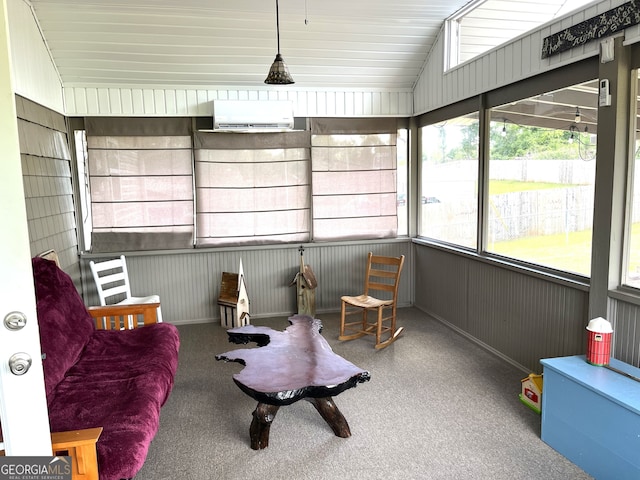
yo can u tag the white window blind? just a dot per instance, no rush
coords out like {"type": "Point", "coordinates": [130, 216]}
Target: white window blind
{"type": "Point", "coordinates": [141, 184]}
{"type": "Point", "coordinates": [354, 178]}
{"type": "Point", "coordinates": [252, 188]}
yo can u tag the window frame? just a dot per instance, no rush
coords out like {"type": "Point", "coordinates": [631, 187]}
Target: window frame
{"type": "Point", "coordinates": [157, 126]}
{"type": "Point", "coordinates": [454, 30]}
{"type": "Point", "coordinates": [632, 166]}
{"type": "Point", "coordinates": [562, 77]}
{"type": "Point", "coordinates": [421, 183]}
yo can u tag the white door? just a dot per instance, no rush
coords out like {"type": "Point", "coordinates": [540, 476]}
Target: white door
{"type": "Point", "coordinates": [23, 408]}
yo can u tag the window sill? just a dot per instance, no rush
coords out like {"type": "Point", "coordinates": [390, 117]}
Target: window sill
{"type": "Point", "coordinates": [278, 246]}
{"type": "Point", "coordinates": [626, 294]}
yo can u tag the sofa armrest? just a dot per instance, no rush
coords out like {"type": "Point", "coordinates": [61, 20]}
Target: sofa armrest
{"type": "Point", "coordinates": [80, 445]}
{"type": "Point", "coordinates": [124, 317]}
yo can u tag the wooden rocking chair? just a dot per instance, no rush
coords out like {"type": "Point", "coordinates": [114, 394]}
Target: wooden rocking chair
{"type": "Point", "coordinates": [382, 275]}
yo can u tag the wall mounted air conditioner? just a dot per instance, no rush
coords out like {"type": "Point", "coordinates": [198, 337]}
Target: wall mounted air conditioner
{"type": "Point", "coordinates": [252, 115]}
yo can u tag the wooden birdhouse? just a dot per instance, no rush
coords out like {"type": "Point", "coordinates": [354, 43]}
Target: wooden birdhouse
{"type": "Point", "coordinates": [531, 394]}
{"type": "Point", "coordinates": [233, 300]}
{"type": "Point", "coordinates": [306, 283]}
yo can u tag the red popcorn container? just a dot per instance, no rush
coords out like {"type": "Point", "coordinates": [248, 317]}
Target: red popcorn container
{"type": "Point", "coordinates": [599, 342]}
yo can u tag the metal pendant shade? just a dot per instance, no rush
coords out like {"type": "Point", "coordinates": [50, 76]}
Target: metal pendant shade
{"type": "Point", "coordinates": [279, 72]}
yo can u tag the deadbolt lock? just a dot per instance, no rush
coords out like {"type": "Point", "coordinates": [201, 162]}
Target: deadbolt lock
{"type": "Point", "coordinates": [15, 320]}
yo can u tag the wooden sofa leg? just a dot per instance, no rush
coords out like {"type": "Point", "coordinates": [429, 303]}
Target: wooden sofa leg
{"type": "Point", "coordinates": [80, 445]}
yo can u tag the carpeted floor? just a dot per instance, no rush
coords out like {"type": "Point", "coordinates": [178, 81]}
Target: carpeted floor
{"type": "Point", "coordinates": [437, 407]}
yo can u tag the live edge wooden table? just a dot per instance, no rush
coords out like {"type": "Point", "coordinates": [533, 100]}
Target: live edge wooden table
{"type": "Point", "coordinates": [295, 364]}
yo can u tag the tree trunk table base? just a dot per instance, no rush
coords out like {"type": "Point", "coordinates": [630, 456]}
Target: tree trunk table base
{"type": "Point", "coordinates": [265, 414]}
{"type": "Point", "coordinates": [291, 366]}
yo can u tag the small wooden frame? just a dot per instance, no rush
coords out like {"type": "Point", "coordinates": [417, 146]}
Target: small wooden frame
{"type": "Point", "coordinates": [51, 255]}
{"type": "Point", "coordinates": [80, 445]}
{"type": "Point", "coordinates": [124, 317]}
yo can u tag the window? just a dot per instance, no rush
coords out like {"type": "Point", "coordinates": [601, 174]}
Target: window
{"type": "Point", "coordinates": [403, 181]}
{"type": "Point", "coordinates": [484, 24]}
{"type": "Point", "coordinates": [354, 178]}
{"type": "Point", "coordinates": [449, 178]}
{"type": "Point", "coordinates": [141, 183]}
{"type": "Point", "coordinates": [252, 188]}
{"type": "Point", "coordinates": [632, 271]}
{"type": "Point", "coordinates": [155, 184]}
{"type": "Point", "coordinates": [84, 203]}
{"type": "Point", "coordinates": [541, 179]}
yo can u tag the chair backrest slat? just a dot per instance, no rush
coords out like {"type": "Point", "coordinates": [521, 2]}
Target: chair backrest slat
{"type": "Point", "coordinates": [383, 274]}
{"type": "Point", "coordinates": [111, 278]}
{"type": "Point", "coordinates": [381, 286]}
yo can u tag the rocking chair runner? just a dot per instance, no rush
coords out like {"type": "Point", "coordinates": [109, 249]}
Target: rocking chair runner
{"type": "Point", "coordinates": [382, 275]}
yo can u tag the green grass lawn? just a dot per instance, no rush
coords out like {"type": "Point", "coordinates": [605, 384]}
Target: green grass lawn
{"type": "Point", "coordinates": [570, 252]}
{"type": "Point", "coordinates": [497, 187]}
{"type": "Point", "coordinates": [567, 252]}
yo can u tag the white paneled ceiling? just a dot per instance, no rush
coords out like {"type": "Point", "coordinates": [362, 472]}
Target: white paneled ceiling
{"type": "Point", "coordinates": [215, 43]}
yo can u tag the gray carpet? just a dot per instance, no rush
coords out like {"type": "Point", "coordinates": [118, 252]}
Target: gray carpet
{"type": "Point", "coordinates": [437, 407]}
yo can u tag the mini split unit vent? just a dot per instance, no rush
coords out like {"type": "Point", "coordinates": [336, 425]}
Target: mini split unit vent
{"type": "Point", "coordinates": [252, 115]}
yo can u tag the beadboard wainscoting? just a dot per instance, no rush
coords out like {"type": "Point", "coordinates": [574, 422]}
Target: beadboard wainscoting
{"type": "Point", "coordinates": [520, 317]}
{"type": "Point", "coordinates": [188, 282]}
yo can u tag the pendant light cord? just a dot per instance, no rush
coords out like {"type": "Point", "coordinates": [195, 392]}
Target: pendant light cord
{"type": "Point", "coordinates": [278, 26]}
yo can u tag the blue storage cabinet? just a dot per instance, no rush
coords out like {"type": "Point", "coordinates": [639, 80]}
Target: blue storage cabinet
{"type": "Point", "coordinates": [591, 415]}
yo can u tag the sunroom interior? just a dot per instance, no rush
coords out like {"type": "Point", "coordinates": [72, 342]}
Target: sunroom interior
{"type": "Point", "coordinates": [505, 178]}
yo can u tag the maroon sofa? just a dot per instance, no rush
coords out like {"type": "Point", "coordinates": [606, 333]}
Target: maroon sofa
{"type": "Point", "coordinates": [114, 379]}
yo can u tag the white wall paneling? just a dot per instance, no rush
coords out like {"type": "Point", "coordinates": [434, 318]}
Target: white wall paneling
{"type": "Point", "coordinates": [34, 74]}
{"type": "Point", "coordinates": [505, 64]}
{"type": "Point", "coordinates": [92, 101]}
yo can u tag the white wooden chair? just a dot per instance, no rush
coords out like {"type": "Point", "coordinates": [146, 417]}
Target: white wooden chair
{"type": "Point", "coordinates": [112, 280]}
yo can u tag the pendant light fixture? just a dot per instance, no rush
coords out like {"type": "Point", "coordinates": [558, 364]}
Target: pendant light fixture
{"type": "Point", "coordinates": [279, 72]}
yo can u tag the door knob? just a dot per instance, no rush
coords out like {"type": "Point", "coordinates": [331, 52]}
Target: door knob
{"type": "Point", "coordinates": [19, 363]}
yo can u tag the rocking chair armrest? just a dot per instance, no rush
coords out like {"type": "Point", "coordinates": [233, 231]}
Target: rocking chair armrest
{"type": "Point", "coordinates": [115, 317]}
